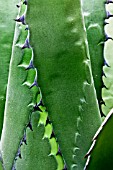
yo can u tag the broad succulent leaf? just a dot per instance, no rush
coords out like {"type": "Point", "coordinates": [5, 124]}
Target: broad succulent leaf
{"type": "Point", "coordinates": [100, 155]}
{"type": "Point", "coordinates": [107, 91]}
{"type": "Point", "coordinates": [49, 123]}
{"type": "Point", "coordinates": [7, 24]}
{"type": "Point", "coordinates": [16, 114]}
{"type": "Point", "coordinates": [21, 96]}
{"type": "Point", "coordinates": [94, 15]}
{"type": "Point", "coordinates": [35, 155]}
{"type": "Point", "coordinates": [64, 75]}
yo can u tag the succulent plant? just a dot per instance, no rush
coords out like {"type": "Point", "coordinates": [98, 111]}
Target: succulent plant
{"type": "Point", "coordinates": [56, 85]}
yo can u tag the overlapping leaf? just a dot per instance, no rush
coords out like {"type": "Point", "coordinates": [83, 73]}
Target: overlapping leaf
{"type": "Point", "coordinates": [64, 75]}
{"type": "Point", "coordinates": [94, 14]}
{"type": "Point", "coordinates": [35, 155]}
{"type": "Point", "coordinates": [19, 105]}
{"type": "Point", "coordinates": [100, 155]}
{"type": "Point", "coordinates": [107, 93]}
{"type": "Point", "coordinates": [7, 24]}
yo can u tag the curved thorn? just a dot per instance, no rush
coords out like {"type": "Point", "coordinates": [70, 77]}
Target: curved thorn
{"type": "Point", "coordinates": [105, 23]}
{"type": "Point", "coordinates": [19, 153]}
{"type": "Point", "coordinates": [36, 108]}
{"type": "Point", "coordinates": [31, 65]}
{"type": "Point", "coordinates": [52, 135]}
{"type": "Point", "coordinates": [103, 74]}
{"type": "Point", "coordinates": [103, 86]}
{"type": "Point", "coordinates": [40, 103]}
{"type": "Point", "coordinates": [48, 122]}
{"type": "Point", "coordinates": [18, 6]}
{"type": "Point", "coordinates": [27, 28]}
{"type": "Point", "coordinates": [24, 138]}
{"type": "Point", "coordinates": [21, 19]}
{"type": "Point", "coordinates": [59, 152]}
{"type": "Point", "coordinates": [107, 37]}
{"type": "Point", "coordinates": [25, 2]}
{"type": "Point", "coordinates": [102, 114]}
{"type": "Point", "coordinates": [26, 44]}
{"type": "Point", "coordinates": [106, 64]}
{"type": "Point", "coordinates": [108, 14]}
{"type": "Point", "coordinates": [34, 84]}
{"type": "Point", "coordinates": [29, 125]}
{"type": "Point", "coordinates": [102, 102]}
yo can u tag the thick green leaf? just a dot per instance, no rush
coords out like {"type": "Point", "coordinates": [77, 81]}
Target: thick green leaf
{"type": "Point", "coordinates": [101, 156]}
{"type": "Point", "coordinates": [35, 155]}
{"type": "Point", "coordinates": [107, 91]}
{"type": "Point", "coordinates": [64, 74]}
{"type": "Point", "coordinates": [7, 16]}
{"type": "Point", "coordinates": [94, 14]}
{"type": "Point", "coordinates": [19, 106]}
{"type": "Point", "coordinates": [16, 110]}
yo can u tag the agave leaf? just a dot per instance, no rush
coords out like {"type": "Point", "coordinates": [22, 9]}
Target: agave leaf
{"type": "Point", "coordinates": [107, 91]}
{"type": "Point", "coordinates": [7, 24]}
{"type": "Point", "coordinates": [19, 105]}
{"type": "Point", "coordinates": [16, 110]}
{"type": "Point", "coordinates": [64, 74]}
{"type": "Point", "coordinates": [100, 155]}
{"type": "Point", "coordinates": [94, 14]}
{"type": "Point", "coordinates": [35, 155]}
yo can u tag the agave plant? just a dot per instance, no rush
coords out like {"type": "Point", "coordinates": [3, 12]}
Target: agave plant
{"type": "Point", "coordinates": [56, 85]}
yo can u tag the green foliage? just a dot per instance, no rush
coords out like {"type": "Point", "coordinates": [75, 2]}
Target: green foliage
{"type": "Point", "coordinates": [107, 93]}
{"type": "Point", "coordinates": [6, 38]}
{"type": "Point", "coordinates": [51, 112]}
{"type": "Point", "coordinates": [94, 14]}
{"type": "Point", "coordinates": [102, 154]}
{"type": "Point", "coordinates": [21, 109]}
{"type": "Point", "coordinates": [64, 75]}
{"type": "Point", "coordinates": [35, 153]}
{"type": "Point", "coordinates": [16, 109]}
